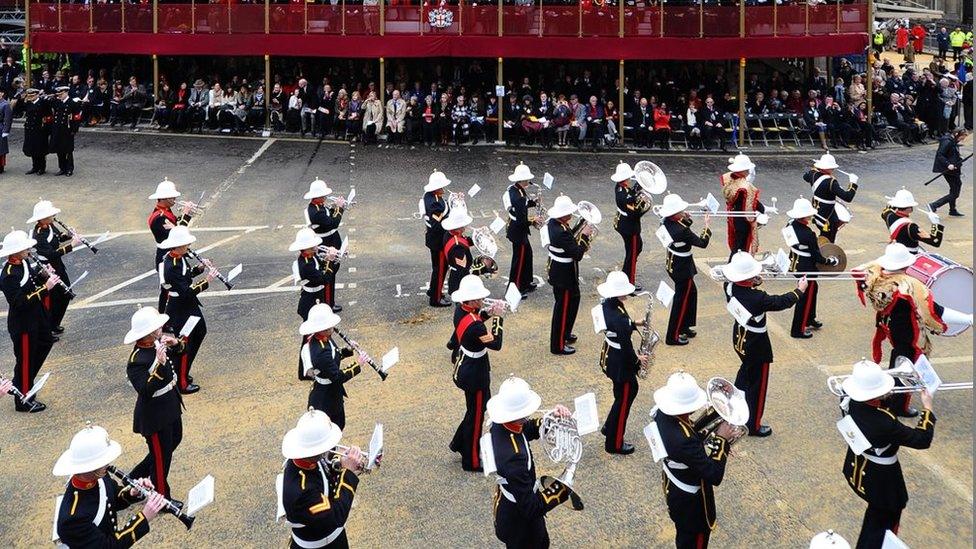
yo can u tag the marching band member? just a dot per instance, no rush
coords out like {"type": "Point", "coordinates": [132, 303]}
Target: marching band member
{"type": "Point", "coordinates": [805, 256]}
{"type": "Point", "coordinates": [162, 219]}
{"type": "Point", "coordinates": [903, 230]}
{"type": "Point", "coordinates": [317, 494]}
{"type": "Point", "coordinates": [28, 322]}
{"type": "Point", "coordinates": [875, 475]}
{"type": "Point", "coordinates": [517, 205]}
{"type": "Point", "coordinates": [474, 334]}
{"type": "Point", "coordinates": [321, 359]}
{"type": "Point", "coordinates": [618, 360]}
{"type": "Point", "coordinates": [566, 250]}
{"type": "Point", "coordinates": [51, 246]}
{"type": "Point", "coordinates": [829, 540]}
{"type": "Point", "coordinates": [694, 465]}
{"type": "Point", "coordinates": [741, 196]}
{"type": "Point", "coordinates": [436, 208]}
{"type": "Point", "coordinates": [157, 413]}
{"type": "Point", "coordinates": [750, 340]}
{"type": "Point", "coordinates": [325, 220]}
{"type": "Point", "coordinates": [176, 277]}
{"type": "Point", "coordinates": [906, 313]}
{"type": "Point", "coordinates": [521, 502]}
{"type": "Point", "coordinates": [630, 208]}
{"type": "Point", "coordinates": [313, 272]}
{"type": "Point", "coordinates": [681, 268]}
{"type": "Point", "coordinates": [457, 248]}
{"type": "Point", "coordinates": [827, 191]}
{"type": "Point", "coordinates": [88, 516]}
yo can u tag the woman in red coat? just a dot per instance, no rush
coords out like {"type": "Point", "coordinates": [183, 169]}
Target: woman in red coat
{"type": "Point", "coordinates": [662, 125]}
{"type": "Point", "coordinates": [918, 37]}
{"type": "Point", "coordinates": [901, 38]}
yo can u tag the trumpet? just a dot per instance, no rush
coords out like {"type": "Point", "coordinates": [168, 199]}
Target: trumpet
{"type": "Point", "coordinates": [488, 304]}
{"type": "Point", "coordinates": [362, 468]}
{"type": "Point", "coordinates": [177, 510]}
{"type": "Point", "coordinates": [589, 219]}
{"type": "Point", "coordinates": [726, 404]}
{"type": "Point", "coordinates": [904, 371]}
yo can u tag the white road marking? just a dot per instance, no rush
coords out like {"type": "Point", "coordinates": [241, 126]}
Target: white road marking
{"type": "Point", "coordinates": [208, 294]}
{"type": "Point", "coordinates": [245, 228]}
{"type": "Point", "coordinates": [232, 178]}
{"type": "Point", "coordinates": [340, 286]}
{"type": "Point", "coordinates": [282, 282]}
{"type": "Point", "coordinates": [352, 269]}
{"type": "Point", "coordinates": [351, 285]}
{"type": "Point", "coordinates": [846, 368]}
{"type": "Point", "coordinates": [148, 274]}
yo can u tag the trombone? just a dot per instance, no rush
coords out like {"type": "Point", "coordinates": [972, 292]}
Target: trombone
{"type": "Point", "coordinates": [761, 217]}
{"type": "Point", "coordinates": [904, 371]}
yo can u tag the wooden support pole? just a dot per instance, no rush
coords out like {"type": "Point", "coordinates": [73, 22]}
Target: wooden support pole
{"type": "Point", "coordinates": [869, 68]}
{"type": "Point", "coordinates": [267, 92]}
{"type": "Point", "coordinates": [382, 86]}
{"type": "Point", "coordinates": [620, 100]}
{"type": "Point", "coordinates": [501, 100]}
{"type": "Point", "coordinates": [742, 101]}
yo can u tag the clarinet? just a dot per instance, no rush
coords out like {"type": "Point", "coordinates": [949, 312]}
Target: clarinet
{"type": "Point", "coordinates": [45, 270]}
{"type": "Point", "coordinates": [220, 277]}
{"type": "Point", "coordinates": [16, 393]}
{"type": "Point", "coordinates": [146, 492]}
{"type": "Point", "coordinates": [74, 233]}
{"type": "Point", "coordinates": [359, 349]}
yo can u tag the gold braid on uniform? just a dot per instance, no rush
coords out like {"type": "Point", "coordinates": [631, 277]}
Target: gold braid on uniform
{"type": "Point", "coordinates": [732, 186]}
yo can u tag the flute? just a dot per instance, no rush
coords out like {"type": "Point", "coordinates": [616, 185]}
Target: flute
{"type": "Point", "coordinates": [146, 492]}
{"type": "Point", "coordinates": [369, 360]}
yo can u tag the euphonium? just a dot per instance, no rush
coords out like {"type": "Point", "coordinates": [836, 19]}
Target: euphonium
{"type": "Point", "coordinates": [563, 444]}
{"type": "Point", "coordinates": [589, 215]}
{"type": "Point", "coordinates": [726, 403]}
{"type": "Point", "coordinates": [484, 242]}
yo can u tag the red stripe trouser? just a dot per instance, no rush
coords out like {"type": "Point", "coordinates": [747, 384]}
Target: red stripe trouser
{"type": "Point", "coordinates": [156, 464]}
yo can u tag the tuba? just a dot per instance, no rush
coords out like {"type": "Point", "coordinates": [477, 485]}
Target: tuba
{"type": "Point", "coordinates": [484, 242]}
{"type": "Point", "coordinates": [726, 403]}
{"type": "Point", "coordinates": [589, 216]}
{"type": "Point", "coordinates": [649, 340]}
{"type": "Point", "coordinates": [651, 181]}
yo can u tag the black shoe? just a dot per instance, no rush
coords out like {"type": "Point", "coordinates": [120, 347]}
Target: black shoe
{"type": "Point", "coordinates": [689, 333]}
{"type": "Point", "coordinates": [60, 172]}
{"type": "Point", "coordinates": [911, 411]}
{"type": "Point", "coordinates": [69, 173]}
{"type": "Point", "coordinates": [566, 350]}
{"type": "Point", "coordinates": [682, 340]}
{"type": "Point", "coordinates": [816, 324]}
{"type": "Point", "coordinates": [54, 338]}
{"type": "Point", "coordinates": [571, 338]}
{"type": "Point", "coordinates": [532, 287]}
{"type": "Point", "coordinates": [603, 430]}
{"type": "Point", "coordinates": [453, 447]}
{"type": "Point", "coordinates": [625, 449]}
{"type": "Point", "coordinates": [189, 379]}
{"type": "Point", "coordinates": [806, 334]}
{"type": "Point", "coordinates": [763, 431]}
{"type": "Point", "coordinates": [337, 308]}
{"type": "Point", "coordinates": [638, 289]}
{"type": "Point", "coordinates": [40, 172]}
{"type": "Point", "coordinates": [32, 407]}
{"type": "Point", "coordinates": [32, 172]}
{"type": "Point", "coordinates": [190, 389]}
{"type": "Point", "coordinates": [58, 330]}
{"type": "Point", "coordinates": [956, 213]}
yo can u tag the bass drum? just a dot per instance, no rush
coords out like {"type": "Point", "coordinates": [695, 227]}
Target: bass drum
{"type": "Point", "coordinates": [951, 284]}
{"type": "Point", "coordinates": [844, 215]}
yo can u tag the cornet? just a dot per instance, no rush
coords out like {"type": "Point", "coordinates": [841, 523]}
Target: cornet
{"type": "Point", "coordinates": [328, 253]}
{"type": "Point", "coordinates": [726, 403]}
{"type": "Point", "coordinates": [905, 371]}
{"type": "Point", "coordinates": [341, 451]}
{"type": "Point", "coordinates": [488, 304]}
{"type": "Point", "coordinates": [190, 207]}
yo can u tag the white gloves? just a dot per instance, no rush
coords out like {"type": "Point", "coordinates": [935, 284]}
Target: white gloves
{"type": "Point", "coordinates": [933, 217]}
{"type": "Point", "coordinates": [952, 316]}
{"type": "Point", "coordinates": [853, 178]}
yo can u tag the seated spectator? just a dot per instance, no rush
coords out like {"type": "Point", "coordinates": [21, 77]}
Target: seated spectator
{"type": "Point", "coordinates": [856, 92]}
{"type": "Point", "coordinates": [813, 118]}
{"type": "Point", "coordinates": [865, 130]}
{"type": "Point", "coordinates": [795, 103]}
{"type": "Point", "coordinates": [894, 113]}
{"type": "Point", "coordinates": [240, 109]}
{"type": "Point", "coordinates": [477, 121]}
{"type": "Point", "coordinates": [512, 121]}
{"type": "Point", "coordinates": [257, 108]}
{"type": "Point", "coordinates": [838, 128]}
{"type": "Point", "coordinates": [461, 118]}
{"type": "Point", "coordinates": [165, 100]}
{"type": "Point", "coordinates": [530, 122]}
{"type": "Point", "coordinates": [198, 104]}
{"type": "Point", "coordinates": [372, 118]}
{"type": "Point", "coordinates": [491, 119]}
{"type": "Point", "coordinates": [662, 125]}
{"type": "Point", "coordinates": [279, 105]}
{"type": "Point", "coordinates": [561, 116]}
{"type": "Point", "coordinates": [445, 122]}
{"type": "Point", "coordinates": [396, 116]}
{"type": "Point", "coordinates": [692, 129]}
{"type": "Point", "coordinates": [413, 121]}
{"type": "Point", "coordinates": [712, 124]}
{"type": "Point", "coordinates": [215, 104]}
{"type": "Point", "coordinates": [839, 93]}
{"type": "Point", "coordinates": [100, 102]}
{"type": "Point", "coordinates": [133, 100]}
{"type": "Point", "coordinates": [577, 120]}
{"type": "Point", "coordinates": [758, 105]}
{"type": "Point", "coordinates": [179, 102]}
{"type": "Point", "coordinates": [643, 121]}
{"type": "Point", "coordinates": [612, 136]}
{"type": "Point", "coordinates": [595, 122]}
{"type": "Point", "coordinates": [919, 129]}
{"type": "Point", "coordinates": [293, 116]}
{"type": "Point", "coordinates": [354, 118]}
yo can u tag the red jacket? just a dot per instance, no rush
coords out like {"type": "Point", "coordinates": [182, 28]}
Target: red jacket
{"type": "Point", "coordinates": [662, 120]}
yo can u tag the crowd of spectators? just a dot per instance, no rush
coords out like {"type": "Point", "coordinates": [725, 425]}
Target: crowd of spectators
{"type": "Point", "coordinates": [546, 106]}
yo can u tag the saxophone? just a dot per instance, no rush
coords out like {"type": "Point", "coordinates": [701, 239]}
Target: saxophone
{"type": "Point", "coordinates": [649, 340]}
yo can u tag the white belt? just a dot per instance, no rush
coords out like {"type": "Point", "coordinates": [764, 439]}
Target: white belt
{"type": "Point", "coordinates": [679, 254]}
{"type": "Point", "coordinates": [752, 329]}
{"type": "Point", "coordinates": [323, 381]}
{"type": "Point", "coordinates": [312, 289]}
{"type": "Point", "coordinates": [799, 253]}
{"type": "Point", "coordinates": [169, 387]}
{"type": "Point", "coordinates": [558, 259]}
{"type": "Point", "coordinates": [323, 235]}
{"type": "Point", "coordinates": [890, 460]}
{"type": "Point", "coordinates": [611, 343]}
{"type": "Point", "coordinates": [621, 212]}
{"type": "Point", "coordinates": [317, 543]}
{"type": "Point", "coordinates": [823, 200]}
{"type": "Point", "coordinates": [508, 495]}
{"type": "Point", "coordinates": [685, 487]}
{"type": "Point", "coordinates": [172, 293]}
{"type": "Point", "coordinates": [470, 354]}
{"type": "Point", "coordinates": [512, 217]}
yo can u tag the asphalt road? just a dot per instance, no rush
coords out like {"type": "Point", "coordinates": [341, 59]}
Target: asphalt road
{"type": "Point", "coordinates": [778, 492]}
